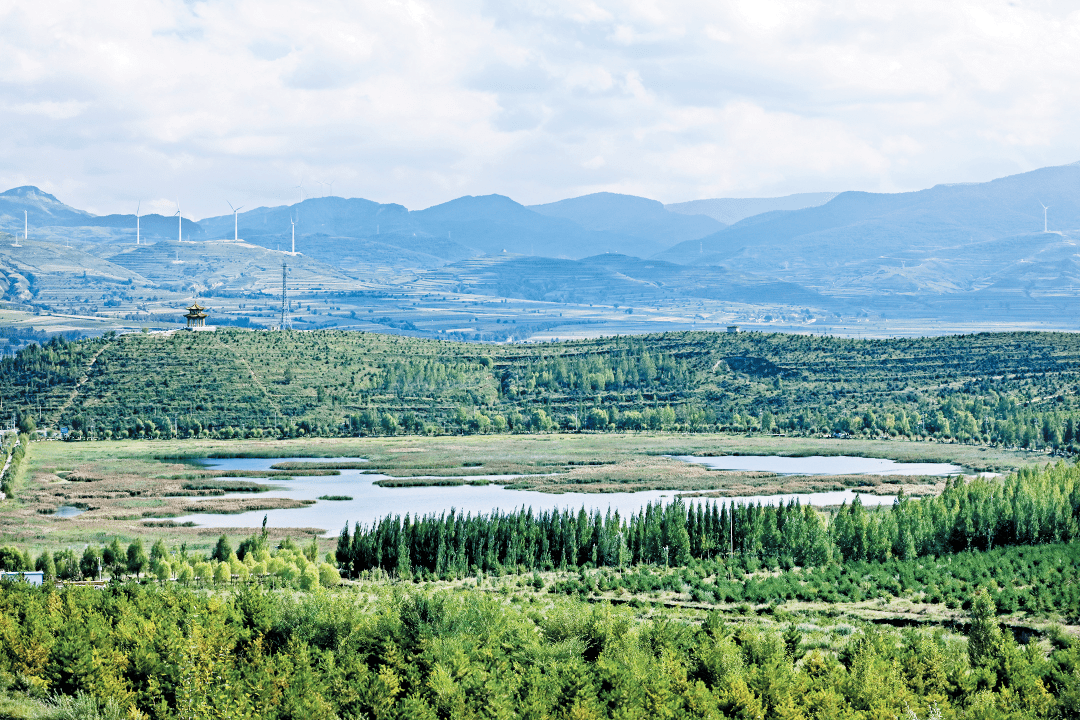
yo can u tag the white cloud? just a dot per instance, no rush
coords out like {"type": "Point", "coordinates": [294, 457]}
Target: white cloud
{"type": "Point", "coordinates": [50, 109]}
{"type": "Point", "coordinates": [418, 102]}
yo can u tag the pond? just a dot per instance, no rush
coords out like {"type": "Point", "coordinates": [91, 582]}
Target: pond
{"type": "Point", "coordinates": [68, 511]}
{"type": "Point", "coordinates": [371, 502]}
{"type": "Point", "coordinates": [821, 465]}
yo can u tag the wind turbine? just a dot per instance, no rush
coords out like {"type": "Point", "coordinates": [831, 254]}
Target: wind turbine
{"type": "Point", "coordinates": [293, 223]}
{"type": "Point", "coordinates": [1045, 208]}
{"type": "Point", "coordinates": [331, 184]}
{"type": "Point", "coordinates": [179, 224]}
{"type": "Point", "coordinates": [26, 230]}
{"type": "Point", "coordinates": [301, 188]}
{"type": "Point", "coordinates": [137, 229]}
{"type": "Point", "coordinates": [236, 231]}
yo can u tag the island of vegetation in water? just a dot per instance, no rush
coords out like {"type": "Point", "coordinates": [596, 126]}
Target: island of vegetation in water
{"type": "Point", "coordinates": [122, 485]}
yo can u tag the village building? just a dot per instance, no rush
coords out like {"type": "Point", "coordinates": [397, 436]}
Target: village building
{"type": "Point", "coordinates": [33, 577]}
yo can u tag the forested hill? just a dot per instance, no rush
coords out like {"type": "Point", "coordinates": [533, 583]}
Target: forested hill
{"type": "Point", "coordinates": [1016, 389]}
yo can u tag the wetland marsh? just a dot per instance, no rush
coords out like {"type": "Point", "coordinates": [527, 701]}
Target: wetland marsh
{"type": "Point", "coordinates": [120, 486]}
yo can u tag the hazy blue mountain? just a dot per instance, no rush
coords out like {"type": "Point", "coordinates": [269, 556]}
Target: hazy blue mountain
{"type": "Point", "coordinates": [462, 228]}
{"type": "Point", "coordinates": [334, 216]}
{"type": "Point", "coordinates": [45, 211]}
{"type": "Point", "coordinates": [731, 210]}
{"type": "Point", "coordinates": [632, 216]}
{"type": "Point", "coordinates": [495, 223]}
{"type": "Point", "coordinates": [944, 239]}
{"type": "Point", "coordinates": [328, 227]}
{"type": "Point", "coordinates": [345, 231]}
{"type": "Point", "coordinates": [41, 209]}
{"type": "Point", "coordinates": [151, 226]}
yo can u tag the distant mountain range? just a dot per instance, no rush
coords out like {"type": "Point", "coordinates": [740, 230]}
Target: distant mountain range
{"type": "Point", "coordinates": [656, 227]}
{"type": "Point", "coordinates": [731, 210]}
{"type": "Point", "coordinates": [947, 240]}
{"type": "Point", "coordinates": [469, 226]}
{"type": "Point", "coordinates": [44, 211]}
{"type": "Point", "coordinates": [356, 232]}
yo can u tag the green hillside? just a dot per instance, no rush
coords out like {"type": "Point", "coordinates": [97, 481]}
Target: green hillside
{"type": "Point", "coordinates": [1017, 389]}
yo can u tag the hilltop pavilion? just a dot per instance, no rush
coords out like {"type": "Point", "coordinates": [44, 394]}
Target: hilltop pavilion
{"type": "Point", "coordinates": [196, 316]}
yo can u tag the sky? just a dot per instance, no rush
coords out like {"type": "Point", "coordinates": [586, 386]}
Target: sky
{"type": "Point", "coordinates": [107, 104]}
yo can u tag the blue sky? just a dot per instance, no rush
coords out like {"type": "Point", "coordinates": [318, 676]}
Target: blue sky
{"type": "Point", "coordinates": [108, 103]}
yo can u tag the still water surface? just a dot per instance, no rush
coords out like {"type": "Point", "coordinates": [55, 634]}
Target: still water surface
{"type": "Point", "coordinates": [821, 465]}
{"type": "Point", "coordinates": [371, 502]}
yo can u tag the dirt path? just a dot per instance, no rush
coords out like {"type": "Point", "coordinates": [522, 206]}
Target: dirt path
{"type": "Point", "coordinates": [75, 390]}
{"type": "Point", "coordinates": [3, 495]}
{"type": "Point", "coordinates": [254, 378]}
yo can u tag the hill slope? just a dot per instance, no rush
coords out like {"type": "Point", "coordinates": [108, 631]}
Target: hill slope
{"type": "Point", "coordinates": [330, 228]}
{"type": "Point", "coordinates": [947, 238]}
{"type": "Point", "coordinates": [50, 219]}
{"type": "Point", "coordinates": [610, 279]}
{"type": "Point", "coordinates": [494, 224]}
{"type": "Point", "coordinates": [1014, 389]}
{"type": "Point", "coordinates": [635, 217]}
{"type": "Point", "coordinates": [731, 210]}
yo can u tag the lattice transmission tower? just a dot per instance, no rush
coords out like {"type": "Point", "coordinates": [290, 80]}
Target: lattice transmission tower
{"type": "Point", "coordinates": [284, 297]}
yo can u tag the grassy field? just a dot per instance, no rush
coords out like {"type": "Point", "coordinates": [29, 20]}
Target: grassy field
{"type": "Point", "coordinates": [122, 484]}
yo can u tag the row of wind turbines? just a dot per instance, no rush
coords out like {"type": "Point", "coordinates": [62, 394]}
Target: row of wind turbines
{"type": "Point", "coordinates": [180, 223]}
{"type": "Point", "coordinates": [236, 224]}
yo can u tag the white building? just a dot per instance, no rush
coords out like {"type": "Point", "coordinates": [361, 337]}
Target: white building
{"type": "Point", "coordinates": [36, 577]}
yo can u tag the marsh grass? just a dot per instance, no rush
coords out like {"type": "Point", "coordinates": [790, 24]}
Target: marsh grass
{"type": "Point", "coordinates": [99, 473]}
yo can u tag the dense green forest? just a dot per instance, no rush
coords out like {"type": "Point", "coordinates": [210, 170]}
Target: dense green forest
{"type": "Point", "coordinates": [1030, 507]}
{"type": "Point", "coordinates": [666, 613]}
{"type": "Point", "coordinates": [175, 652]}
{"type": "Point", "coordinates": [1010, 389]}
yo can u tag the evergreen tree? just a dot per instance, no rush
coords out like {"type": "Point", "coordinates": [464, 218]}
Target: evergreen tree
{"type": "Point", "coordinates": [46, 565]}
{"type": "Point", "coordinates": [115, 558]}
{"type": "Point", "coordinates": [222, 550]}
{"type": "Point", "coordinates": [984, 638]}
{"type": "Point", "coordinates": [90, 563]}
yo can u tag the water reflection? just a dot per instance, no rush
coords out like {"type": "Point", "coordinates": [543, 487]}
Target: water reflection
{"type": "Point", "coordinates": [371, 502]}
{"type": "Point", "coordinates": [821, 465]}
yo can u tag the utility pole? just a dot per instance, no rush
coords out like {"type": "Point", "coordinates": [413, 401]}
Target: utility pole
{"type": "Point", "coordinates": [731, 539]}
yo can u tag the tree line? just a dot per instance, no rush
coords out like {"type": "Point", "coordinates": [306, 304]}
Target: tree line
{"type": "Point", "coordinates": [1008, 389]}
{"type": "Point", "coordinates": [1030, 507]}
{"type": "Point", "coordinates": [168, 652]}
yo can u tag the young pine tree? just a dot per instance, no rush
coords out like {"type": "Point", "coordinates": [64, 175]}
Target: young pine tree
{"type": "Point", "coordinates": [984, 638]}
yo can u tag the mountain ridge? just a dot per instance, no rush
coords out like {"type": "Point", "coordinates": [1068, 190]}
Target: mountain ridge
{"type": "Point", "coordinates": [850, 238]}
